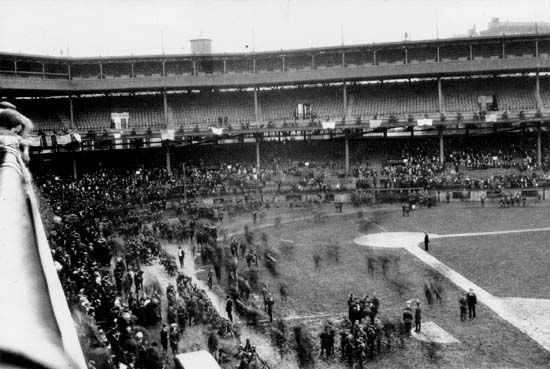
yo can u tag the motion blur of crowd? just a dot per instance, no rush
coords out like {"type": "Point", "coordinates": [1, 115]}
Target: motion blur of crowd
{"type": "Point", "coordinates": [106, 224]}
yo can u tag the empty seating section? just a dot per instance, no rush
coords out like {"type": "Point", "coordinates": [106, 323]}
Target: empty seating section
{"type": "Point", "coordinates": [454, 52]}
{"type": "Point", "coordinates": [545, 92]}
{"type": "Point", "coordinates": [519, 49]}
{"type": "Point", "coordinates": [95, 113]}
{"type": "Point", "coordinates": [117, 70]}
{"type": "Point", "coordinates": [148, 69]}
{"type": "Point", "coordinates": [206, 108]}
{"type": "Point", "coordinates": [516, 95]}
{"type": "Point", "coordinates": [394, 99]}
{"type": "Point", "coordinates": [297, 62]}
{"type": "Point", "coordinates": [421, 54]}
{"type": "Point", "coordinates": [178, 68]}
{"type": "Point", "coordinates": [85, 71]}
{"type": "Point", "coordinates": [44, 113]}
{"type": "Point", "coordinates": [328, 60]}
{"type": "Point", "coordinates": [512, 94]}
{"type": "Point", "coordinates": [278, 105]}
{"type": "Point", "coordinates": [459, 96]}
{"type": "Point", "coordinates": [357, 58]}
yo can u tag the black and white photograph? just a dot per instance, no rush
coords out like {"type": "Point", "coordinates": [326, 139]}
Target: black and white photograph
{"type": "Point", "coordinates": [274, 184]}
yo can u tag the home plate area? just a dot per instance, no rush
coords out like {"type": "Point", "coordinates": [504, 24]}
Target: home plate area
{"type": "Point", "coordinates": [431, 332]}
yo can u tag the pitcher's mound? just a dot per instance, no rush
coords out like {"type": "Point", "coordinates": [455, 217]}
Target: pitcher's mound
{"type": "Point", "coordinates": [431, 332]}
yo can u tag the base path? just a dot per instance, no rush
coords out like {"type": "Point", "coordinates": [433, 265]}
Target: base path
{"type": "Point", "coordinates": [513, 310]}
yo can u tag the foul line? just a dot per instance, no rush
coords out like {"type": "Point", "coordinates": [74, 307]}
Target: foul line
{"type": "Point", "coordinates": [492, 233]}
{"type": "Point", "coordinates": [379, 226]}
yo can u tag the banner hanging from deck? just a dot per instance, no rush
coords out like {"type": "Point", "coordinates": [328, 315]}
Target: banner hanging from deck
{"type": "Point", "coordinates": [328, 125]}
{"type": "Point", "coordinates": [35, 141]}
{"type": "Point", "coordinates": [375, 123]}
{"type": "Point", "coordinates": [119, 120]}
{"type": "Point", "coordinates": [167, 134]}
{"type": "Point", "coordinates": [63, 139]}
{"type": "Point", "coordinates": [77, 137]}
{"type": "Point", "coordinates": [424, 122]}
{"type": "Point", "coordinates": [217, 131]}
{"type": "Point", "coordinates": [491, 117]}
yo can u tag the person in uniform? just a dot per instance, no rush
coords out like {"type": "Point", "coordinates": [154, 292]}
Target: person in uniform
{"type": "Point", "coordinates": [471, 300]}
{"type": "Point", "coordinates": [417, 317]}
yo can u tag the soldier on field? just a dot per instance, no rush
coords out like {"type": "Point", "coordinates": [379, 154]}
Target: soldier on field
{"type": "Point", "coordinates": [417, 317]}
{"type": "Point", "coordinates": [471, 300]}
{"type": "Point", "coordinates": [426, 241]}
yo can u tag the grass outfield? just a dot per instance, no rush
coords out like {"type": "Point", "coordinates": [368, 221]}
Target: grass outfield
{"type": "Point", "coordinates": [464, 218]}
{"type": "Point", "coordinates": [508, 265]}
{"type": "Point", "coordinates": [490, 342]}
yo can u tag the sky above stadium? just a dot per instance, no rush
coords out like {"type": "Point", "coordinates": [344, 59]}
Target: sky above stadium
{"type": "Point", "coordinates": [126, 27]}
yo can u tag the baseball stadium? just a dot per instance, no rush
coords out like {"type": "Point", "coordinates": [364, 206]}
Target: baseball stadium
{"type": "Point", "coordinates": [297, 208]}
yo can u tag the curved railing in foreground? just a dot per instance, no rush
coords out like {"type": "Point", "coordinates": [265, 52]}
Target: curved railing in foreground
{"type": "Point", "coordinates": [36, 325]}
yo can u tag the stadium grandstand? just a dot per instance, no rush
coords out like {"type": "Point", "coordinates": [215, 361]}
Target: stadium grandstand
{"type": "Point", "coordinates": [117, 137]}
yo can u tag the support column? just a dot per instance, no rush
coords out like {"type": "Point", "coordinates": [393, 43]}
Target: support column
{"type": "Point", "coordinates": [406, 56]}
{"type": "Point", "coordinates": [258, 155]}
{"type": "Point", "coordinates": [343, 60]}
{"type": "Point", "coordinates": [536, 48]}
{"type": "Point", "coordinates": [374, 57]}
{"type": "Point", "coordinates": [440, 96]}
{"type": "Point", "coordinates": [165, 107]}
{"type": "Point", "coordinates": [194, 68]}
{"type": "Point", "coordinates": [69, 71]}
{"type": "Point", "coordinates": [347, 155]}
{"type": "Point", "coordinates": [539, 145]}
{"type": "Point", "coordinates": [537, 92]}
{"type": "Point", "coordinates": [441, 147]}
{"type": "Point", "coordinates": [168, 164]}
{"type": "Point", "coordinates": [283, 63]}
{"type": "Point", "coordinates": [224, 66]}
{"type": "Point", "coordinates": [471, 52]}
{"type": "Point", "coordinates": [254, 66]}
{"type": "Point", "coordinates": [438, 59]}
{"type": "Point", "coordinates": [256, 113]}
{"type": "Point", "coordinates": [163, 69]}
{"type": "Point", "coordinates": [75, 172]}
{"type": "Point", "coordinates": [71, 112]}
{"type": "Point", "coordinates": [15, 67]}
{"type": "Point", "coordinates": [312, 61]}
{"type": "Point", "coordinates": [100, 71]}
{"type": "Point", "coordinates": [132, 75]}
{"type": "Point", "coordinates": [345, 97]}
{"type": "Point", "coordinates": [43, 71]}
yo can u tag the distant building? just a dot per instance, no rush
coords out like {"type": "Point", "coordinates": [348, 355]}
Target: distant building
{"type": "Point", "coordinates": [497, 28]}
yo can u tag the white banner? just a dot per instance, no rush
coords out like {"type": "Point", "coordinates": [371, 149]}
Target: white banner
{"type": "Point", "coordinates": [375, 123]}
{"type": "Point", "coordinates": [217, 131]}
{"type": "Point", "coordinates": [328, 125]}
{"type": "Point", "coordinates": [167, 134]}
{"type": "Point", "coordinates": [120, 120]}
{"type": "Point", "coordinates": [491, 117]}
{"type": "Point", "coordinates": [35, 141]}
{"type": "Point", "coordinates": [63, 139]}
{"type": "Point", "coordinates": [424, 122]}
{"type": "Point", "coordinates": [77, 137]}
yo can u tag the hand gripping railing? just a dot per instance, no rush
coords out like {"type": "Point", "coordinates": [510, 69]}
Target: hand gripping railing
{"type": "Point", "coordinates": [36, 327]}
